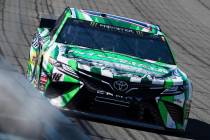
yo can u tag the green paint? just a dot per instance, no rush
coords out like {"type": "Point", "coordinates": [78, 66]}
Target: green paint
{"type": "Point", "coordinates": [47, 84]}
{"type": "Point", "coordinates": [73, 64]}
{"type": "Point", "coordinates": [66, 16]}
{"type": "Point", "coordinates": [168, 83]}
{"type": "Point", "coordinates": [70, 94]}
{"type": "Point", "coordinates": [96, 70]}
{"type": "Point", "coordinates": [49, 68]}
{"type": "Point", "coordinates": [79, 14]}
{"type": "Point", "coordinates": [70, 79]}
{"type": "Point", "coordinates": [55, 52]}
{"type": "Point", "coordinates": [168, 98]}
{"type": "Point", "coordinates": [163, 111]}
{"type": "Point", "coordinates": [124, 78]}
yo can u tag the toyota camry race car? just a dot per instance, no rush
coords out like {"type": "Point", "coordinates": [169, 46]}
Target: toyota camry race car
{"type": "Point", "coordinates": [110, 67]}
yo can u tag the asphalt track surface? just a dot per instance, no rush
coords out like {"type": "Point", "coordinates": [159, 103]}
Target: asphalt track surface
{"type": "Point", "coordinates": [186, 23]}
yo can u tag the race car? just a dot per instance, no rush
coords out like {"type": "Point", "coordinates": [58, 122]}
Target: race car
{"type": "Point", "coordinates": [109, 67]}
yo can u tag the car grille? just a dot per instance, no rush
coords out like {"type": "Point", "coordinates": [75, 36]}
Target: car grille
{"type": "Point", "coordinates": [94, 83]}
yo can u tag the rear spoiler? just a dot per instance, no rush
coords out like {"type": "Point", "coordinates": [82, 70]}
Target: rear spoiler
{"type": "Point", "coordinates": [47, 23]}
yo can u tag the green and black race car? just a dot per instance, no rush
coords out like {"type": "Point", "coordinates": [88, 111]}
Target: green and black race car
{"type": "Point", "coordinates": [110, 67]}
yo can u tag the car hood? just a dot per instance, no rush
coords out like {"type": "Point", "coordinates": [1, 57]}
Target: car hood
{"type": "Point", "coordinates": [120, 66]}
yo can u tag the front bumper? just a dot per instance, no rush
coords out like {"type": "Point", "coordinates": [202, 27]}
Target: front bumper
{"type": "Point", "coordinates": [167, 112]}
{"type": "Point", "coordinates": [156, 113]}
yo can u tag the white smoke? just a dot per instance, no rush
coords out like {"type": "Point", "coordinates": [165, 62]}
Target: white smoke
{"type": "Point", "coordinates": [25, 114]}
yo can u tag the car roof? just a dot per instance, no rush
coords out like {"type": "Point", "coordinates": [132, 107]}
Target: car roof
{"type": "Point", "coordinates": [120, 21]}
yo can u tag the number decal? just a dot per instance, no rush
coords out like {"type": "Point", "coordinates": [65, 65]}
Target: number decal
{"type": "Point", "coordinates": [56, 76]}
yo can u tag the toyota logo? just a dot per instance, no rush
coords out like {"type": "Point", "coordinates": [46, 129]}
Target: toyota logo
{"type": "Point", "coordinates": [120, 86]}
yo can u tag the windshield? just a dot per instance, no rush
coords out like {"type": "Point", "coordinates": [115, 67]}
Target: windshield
{"type": "Point", "coordinates": [111, 38]}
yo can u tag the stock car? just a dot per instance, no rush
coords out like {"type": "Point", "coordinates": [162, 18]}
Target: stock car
{"type": "Point", "coordinates": [109, 67]}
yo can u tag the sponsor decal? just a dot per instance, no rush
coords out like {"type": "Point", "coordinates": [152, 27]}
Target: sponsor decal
{"type": "Point", "coordinates": [101, 93]}
{"type": "Point", "coordinates": [115, 28]}
{"type": "Point", "coordinates": [101, 58]}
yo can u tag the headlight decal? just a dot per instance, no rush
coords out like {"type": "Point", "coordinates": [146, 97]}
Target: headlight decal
{"type": "Point", "coordinates": [67, 74]}
{"type": "Point", "coordinates": [66, 70]}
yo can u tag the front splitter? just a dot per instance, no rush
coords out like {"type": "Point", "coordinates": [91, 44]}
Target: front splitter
{"type": "Point", "coordinates": [77, 113]}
